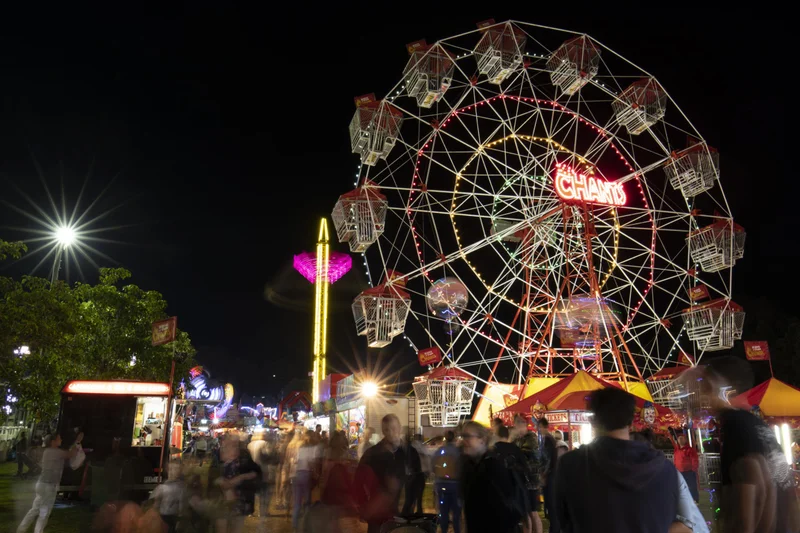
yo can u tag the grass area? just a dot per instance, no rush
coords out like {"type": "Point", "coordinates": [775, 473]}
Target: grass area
{"type": "Point", "coordinates": [16, 496]}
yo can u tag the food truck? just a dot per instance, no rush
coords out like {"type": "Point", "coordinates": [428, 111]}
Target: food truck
{"type": "Point", "coordinates": [124, 425]}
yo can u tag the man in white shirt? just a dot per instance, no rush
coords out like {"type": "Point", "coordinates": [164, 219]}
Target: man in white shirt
{"type": "Point", "coordinates": [53, 460]}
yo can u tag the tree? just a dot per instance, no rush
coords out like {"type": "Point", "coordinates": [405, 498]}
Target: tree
{"type": "Point", "coordinates": [14, 250]}
{"type": "Point", "coordinates": [84, 331]}
{"type": "Point", "coordinates": [117, 322]}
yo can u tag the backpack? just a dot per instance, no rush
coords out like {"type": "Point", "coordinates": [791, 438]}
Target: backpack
{"type": "Point", "coordinates": [536, 465]}
{"type": "Point", "coordinates": [509, 482]}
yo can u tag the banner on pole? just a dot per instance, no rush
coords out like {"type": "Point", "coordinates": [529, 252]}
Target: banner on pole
{"type": "Point", "coordinates": [429, 356]}
{"type": "Point", "coordinates": [756, 350]}
{"type": "Point", "coordinates": [164, 331]}
{"type": "Point", "coordinates": [698, 292]}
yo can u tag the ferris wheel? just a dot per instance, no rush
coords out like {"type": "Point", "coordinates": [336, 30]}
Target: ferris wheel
{"type": "Point", "coordinates": [530, 203]}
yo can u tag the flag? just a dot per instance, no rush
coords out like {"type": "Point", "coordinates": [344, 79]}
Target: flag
{"type": "Point", "coordinates": [164, 331]}
{"type": "Point", "coordinates": [686, 359]}
{"type": "Point", "coordinates": [698, 292]}
{"type": "Point", "coordinates": [429, 356]}
{"type": "Point", "coordinates": [756, 350]}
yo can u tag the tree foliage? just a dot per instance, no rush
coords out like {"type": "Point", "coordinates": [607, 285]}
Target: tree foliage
{"type": "Point", "coordinates": [80, 331]}
{"type": "Point", "coordinates": [13, 250]}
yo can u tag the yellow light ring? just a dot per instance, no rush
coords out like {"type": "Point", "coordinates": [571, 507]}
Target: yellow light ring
{"type": "Point", "coordinates": [464, 256]}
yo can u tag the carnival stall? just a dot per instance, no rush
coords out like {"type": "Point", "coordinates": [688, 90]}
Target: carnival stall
{"type": "Point", "coordinates": [564, 405]}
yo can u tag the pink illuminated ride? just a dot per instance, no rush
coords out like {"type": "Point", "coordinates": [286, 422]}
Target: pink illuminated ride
{"type": "Point", "coordinates": [562, 188]}
{"type": "Point", "coordinates": [322, 268]}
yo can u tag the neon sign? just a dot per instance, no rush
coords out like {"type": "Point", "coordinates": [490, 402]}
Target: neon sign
{"type": "Point", "coordinates": [577, 186]}
{"type": "Point", "coordinates": [135, 388]}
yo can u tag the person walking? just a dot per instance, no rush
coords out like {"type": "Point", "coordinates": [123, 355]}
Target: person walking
{"type": "Point", "coordinates": [494, 494]}
{"type": "Point", "coordinates": [688, 513]}
{"type": "Point", "coordinates": [236, 474]}
{"type": "Point", "coordinates": [415, 478]}
{"type": "Point", "coordinates": [364, 443]}
{"type": "Point", "coordinates": [381, 475]}
{"type": "Point", "coordinates": [758, 494]}
{"type": "Point", "coordinates": [303, 476]}
{"type": "Point", "coordinates": [22, 456]}
{"type": "Point", "coordinates": [446, 469]}
{"type": "Point", "coordinates": [53, 460]}
{"type": "Point", "coordinates": [687, 462]}
{"type": "Point", "coordinates": [614, 484]}
{"type": "Point", "coordinates": [550, 453]}
{"type": "Point", "coordinates": [169, 497]}
{"type": "Point", "coordinates": [528, 443]}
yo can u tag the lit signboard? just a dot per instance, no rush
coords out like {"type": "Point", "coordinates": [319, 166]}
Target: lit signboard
{"type": "Point", "coordinates": [133, 388]}
{"type": "Point", "coordinates": [576, 186]}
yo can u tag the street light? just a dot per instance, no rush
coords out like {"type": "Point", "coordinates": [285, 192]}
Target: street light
{"type": "Point", "coordinates": [369, 389]}
{"type": "Point", "coordinates": [65, 236]}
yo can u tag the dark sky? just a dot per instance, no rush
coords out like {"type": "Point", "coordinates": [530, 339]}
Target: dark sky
{"type": "Point", "coordinates": [227, 128]}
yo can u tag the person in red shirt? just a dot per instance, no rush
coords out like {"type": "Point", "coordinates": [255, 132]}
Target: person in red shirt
{"type": "Point", "coordinates": [687, 463]}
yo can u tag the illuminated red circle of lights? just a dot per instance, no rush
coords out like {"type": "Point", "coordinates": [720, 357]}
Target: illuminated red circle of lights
{"type": "Point", "coordinates": [417, 183]}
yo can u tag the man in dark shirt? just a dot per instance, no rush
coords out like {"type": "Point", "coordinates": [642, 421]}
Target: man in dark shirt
{"type": "Point", "coordinates": [757, 484]}
{"type": "Point", "coordinates": [550, 457]}
{"type": "Point", "coordinates": [615, 484]}
{"type": "Point", "coordinates": [381, 475]}
{"type": "Point", "coordinates": [494, 494]}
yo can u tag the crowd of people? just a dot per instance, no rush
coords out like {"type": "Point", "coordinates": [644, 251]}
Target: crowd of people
{"type": "Point", "coordinates": [494, 479]}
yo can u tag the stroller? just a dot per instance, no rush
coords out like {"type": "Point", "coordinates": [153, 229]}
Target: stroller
{"type": "Point", "coordinates": [411, 523]}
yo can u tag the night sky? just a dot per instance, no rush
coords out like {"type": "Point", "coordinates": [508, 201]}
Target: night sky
{"type": "Point", "coordinates": [221, 136]}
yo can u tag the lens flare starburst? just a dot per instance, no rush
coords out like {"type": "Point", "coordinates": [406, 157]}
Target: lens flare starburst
{"type": "Point", "coordinates": [62, 232]}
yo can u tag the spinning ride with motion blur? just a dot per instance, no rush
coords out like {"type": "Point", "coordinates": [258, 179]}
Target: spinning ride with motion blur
{"type": "Point", "coordinates": [531, 204]}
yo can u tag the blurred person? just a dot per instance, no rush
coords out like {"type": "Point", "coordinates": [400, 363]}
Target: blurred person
{"type": "Point", "coordinates": [271, 475]}
{"type": "Point", "coordinates": [528, 443]}
{"type": "Point", "coordinates": [381, 475]}
{"type": "Point", "coordinates": [446, 470]}
{"type": "Point", "coordinates": [425, 454]}
{"type": "Point", "coordinates": [497, 423]}
{"type": "Point", "coordinates": [688, 463]}
{"type": "Point", "coordinates": [688, 513]}
{"type": "Point", "coordinates": [304, 470]}
{"type": "Point", "coordinates": [324, 438]}
{"type": "Point", "coordinates": [231, 481]}
{"type": "Point", "coordinates": [22, 456]}
{"type": "Point", "coordinates": [169, 497]}
{"type": "Point", "coordinates": [495, 496]}
{"type": "Point", "coordinates": [561, 445]}
{"type": "Point", "coordinates": [293, 441]}
{"type": "Point", "coordinates": [256, 450]}
{"type": "Point", "coordinates": [52, 467]}
{"type": "Point", "coordinates": [796, 455]}
{"type": "Point", "coordinates": [415, 480]}
{"type": "Point", "coordinates": [201, 448]}
{"type": "Point", "coordinates": [117, 517]}
{"type": "Point", "coordinates": [199, 508]}
{"type": "Point", "coordinates": [614, 483]}
{"type": "Point", "coordinates": [364, 442]}
{"type": "Point", "coordinates": [757, 484]}
{"type": "Point", "coordinates": [335, 501]}
{"type": "Point", "coordinates": [550, 453]}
